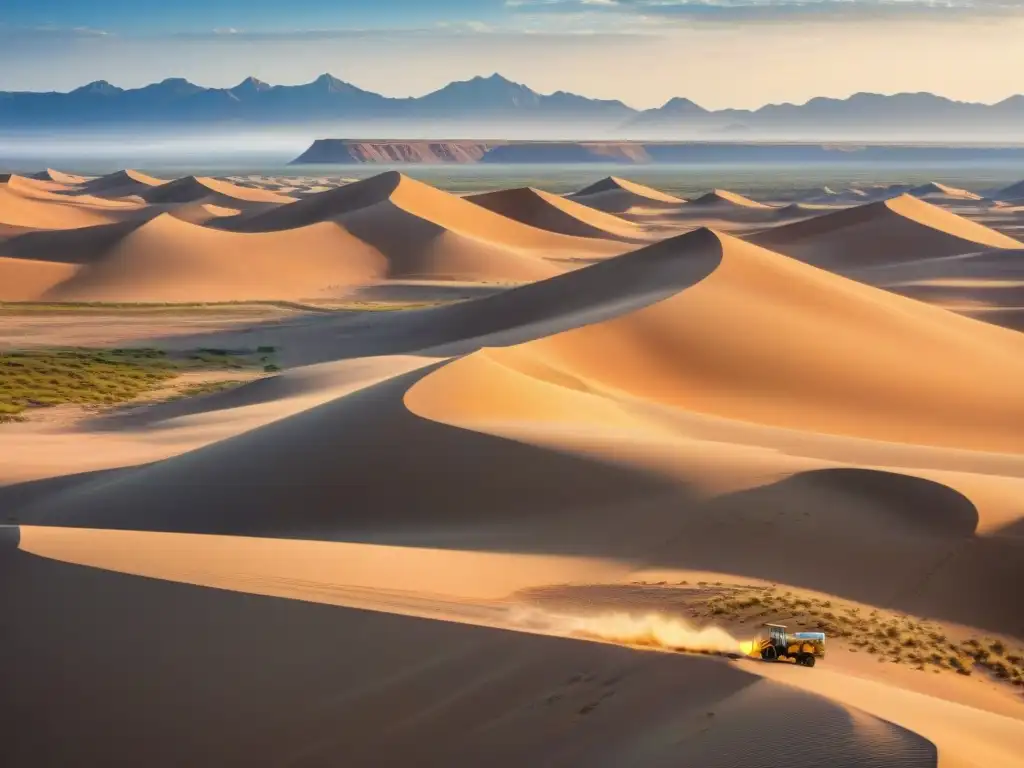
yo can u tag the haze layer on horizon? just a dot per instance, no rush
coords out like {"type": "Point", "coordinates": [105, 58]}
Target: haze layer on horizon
{"type": "Point", "coordinates": [726, 53]}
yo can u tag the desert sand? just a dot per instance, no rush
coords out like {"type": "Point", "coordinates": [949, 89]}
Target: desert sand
{"type": "Point", "coordinates": [606, 398]}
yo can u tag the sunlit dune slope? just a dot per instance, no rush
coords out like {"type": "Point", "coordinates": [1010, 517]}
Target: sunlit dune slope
{"type": "Point", "coordinates": [166, 258]}
{"type": "Point", "coordinates": [889, 231]}
{"type": "Point", "coordinates": [556, 214]}
{"type": "Point", "coordinates": [120, 184]}
{"type": "Point", "coordinates": [194, 189]}
{"type": "Point", "coordinates": [384, 205]}
{"type": "Point", "coordinates": [723, 198]}
{"type": "Point", "coordinates": [615, 195]}
{"type": "Point", "coordinates": [936, 191]}
{"type": "Point", "coordinates": [767, 339]}
{"type": "Point", "coordinates": [26, 204]}
{"type": "Point", "coordinates": [66, 179]}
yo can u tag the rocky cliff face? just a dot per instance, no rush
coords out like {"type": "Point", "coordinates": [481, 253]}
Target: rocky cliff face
{"type": "Point", "coordinates": [344, 151]}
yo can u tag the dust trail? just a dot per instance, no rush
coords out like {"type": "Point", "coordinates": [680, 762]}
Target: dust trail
{"type": "Point", "coordinates": [652, 630]}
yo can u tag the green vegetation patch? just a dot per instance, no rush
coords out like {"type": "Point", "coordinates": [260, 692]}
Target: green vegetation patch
{"type": "Point", "coordinates": [39, 378]}
{"type": "Point", "coordinates": [45, 377]}
{"type": "Point", "coordinates": [205, 388]}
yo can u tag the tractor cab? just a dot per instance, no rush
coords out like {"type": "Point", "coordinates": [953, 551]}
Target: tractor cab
{"type": "Point", "coordinates": [775, 643]}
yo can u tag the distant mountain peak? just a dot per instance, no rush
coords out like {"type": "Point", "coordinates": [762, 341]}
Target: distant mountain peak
{"type": "Point", "coordinates": [251, 84]}
{"type": "Point", "coordinates": [680, 104]}
{"type": "Point", "coordinates": [99, 87]}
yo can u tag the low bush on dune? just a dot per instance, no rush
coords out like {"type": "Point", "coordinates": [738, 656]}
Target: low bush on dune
{"type": "Point", "coordinates": [890, 637]}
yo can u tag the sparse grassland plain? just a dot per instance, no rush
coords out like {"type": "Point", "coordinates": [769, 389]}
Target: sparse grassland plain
{"type": "Point", "coordinates": [38, 378]}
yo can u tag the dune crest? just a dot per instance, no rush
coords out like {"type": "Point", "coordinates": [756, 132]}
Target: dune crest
{"type": "Point", "coordinates": [899, 229]}
{"type": "Point", "coordinates": [556, 214]}
{"type": "Point", "coordinates": [723, 198]}
{"type": "Point", "coordinates": [201, 189]}
{"type": "Point", "coordinates": [614, 195]}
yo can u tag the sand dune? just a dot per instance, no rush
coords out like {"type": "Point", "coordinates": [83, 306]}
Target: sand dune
{"type": "Point", "coordinates": [1012, 192]}
{"type": "Point", "coordinates": [723, 198]}
{"type": "Point", "coordinates": [400, 216]}
{"type": "Point", "coordinates": [802, 210]}
{"type": "Point", "coordinates": [431, 692]}
{"type": "Point", "coordinates": [556, 214]}
{"type": "Point", "coordinates": [120, 184]}
{"type": "Point", "coordinates": [615, 195]}
{"type": "Point", "coordinates": [166, 258]}
{"type": "Point", "coordinates": [199, 189]}
{"type": "Point", "coordinates": [24, 204]}
{"type": "Point", "coordinates": [66, 179]}
{"type": "Point", "coordinates": [701, 407]}
{"type": "Point", "coordinates": [889, 231]}
{"type": "Point", "coordinates": [988, 285]}
{"type": "Point", "coordinates": [935, 191]}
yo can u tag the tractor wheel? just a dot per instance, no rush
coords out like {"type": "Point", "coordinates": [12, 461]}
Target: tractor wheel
{"type": "Point", "coordinates": [768, 654]}
{"type": "Point", "coordinates": [808, 660]}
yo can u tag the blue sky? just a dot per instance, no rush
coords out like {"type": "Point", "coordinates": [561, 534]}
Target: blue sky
{"type": "Point", "coordinates": [718, 52]}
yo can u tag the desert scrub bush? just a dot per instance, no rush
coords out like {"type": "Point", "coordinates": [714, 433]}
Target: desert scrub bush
{"type": "Point", "coordinates": [36, 378]}
{"type": "Point", "coordinates": [204, 388]}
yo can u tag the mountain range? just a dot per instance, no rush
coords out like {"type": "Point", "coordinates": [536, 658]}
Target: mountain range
{"type": "Point", "coordinates": [496, 102]}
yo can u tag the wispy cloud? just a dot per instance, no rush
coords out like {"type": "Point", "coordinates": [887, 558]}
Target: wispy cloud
{"type": "Point", "coordinates": [48, 32]}
{"type": "Point", "coordinates": [767, 11]}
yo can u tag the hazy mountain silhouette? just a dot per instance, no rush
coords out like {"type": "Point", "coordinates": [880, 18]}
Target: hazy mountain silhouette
{"type": "Point", "coordinates": [493, 100]}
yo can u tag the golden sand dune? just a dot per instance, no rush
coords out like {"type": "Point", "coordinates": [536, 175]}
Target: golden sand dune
{"type": "Point", "coordinates": [699, 408]}
{"type": "Point", "coordinates": [201, 189]}
{"type": "Point", "coordinates": [166, 258]}
{"type": "Point", "coordinates": [889, 231]}
{"type": "Point", "coordinates": [120, 184]}
{"type": "Point", "coordinates": [556, 214]}
{"type": "Point", "coordinates": [26, 205]}
{"type": "Point", "coordinates": [615, 195]}
{"type": "Point", "coordinates": [703, 325]}
{"type": "Point", "coordinates": [935, 191]}
{"type": "Point", "coordinates": [66, 179]}
{"type": "Point", "coordinates": [895, 371]}
{"type": "Point", "coordinates": [723, 198]}
{"type": "Point", "coordinates": [393, 206]}
{"type": "Point", "coordinates": [802, 210]}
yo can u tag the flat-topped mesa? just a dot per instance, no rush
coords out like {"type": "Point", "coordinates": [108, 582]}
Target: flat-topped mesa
{"type": "Point", "coordinates": [467, 151]}
{"type": "Point", "coordinates": [358, 152]}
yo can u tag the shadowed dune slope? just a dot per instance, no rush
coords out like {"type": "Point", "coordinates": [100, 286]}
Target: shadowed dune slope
{"type": "Point", "coordinates": [889, 231]}
{"type": "Point", "coordinates": [988, 285]}
{"type": "Point", "coordinates": [723, 198]}
{"type": "Point", "coordinates": [615, 195]}
{"type": "Point", "coordinates": [194, 189]}
{"type": "Point", "coordinates": [556, 214]}
{"type": "Point", "coordinates": [121, 184]}
{"type": "Point", "coordinates": [1012, 192]}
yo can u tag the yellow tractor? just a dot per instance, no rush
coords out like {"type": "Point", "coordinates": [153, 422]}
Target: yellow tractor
{"type": "Point", "coordinates": [774, 644]}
